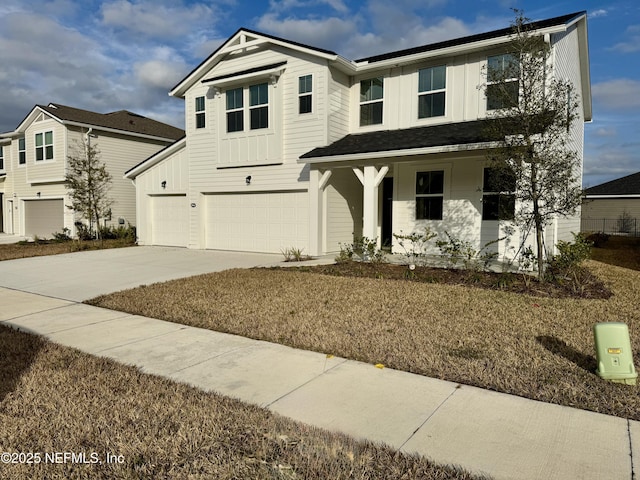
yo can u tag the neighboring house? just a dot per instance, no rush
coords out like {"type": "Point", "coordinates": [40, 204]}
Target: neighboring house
{"type": "Point", "coordinates": [33, 162]}
{"type": "Point", "coordinates": [613, 207]}
{"type": "Point", "coordinates": [288, 145]}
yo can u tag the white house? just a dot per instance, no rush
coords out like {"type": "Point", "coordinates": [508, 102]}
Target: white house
{"type": "Point", "coordinates": [33, 162]}
{"type": "Point", "coordinates": [289, 145]}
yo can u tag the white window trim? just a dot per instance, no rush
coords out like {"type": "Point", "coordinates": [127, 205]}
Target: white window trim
{"type": "Point", "coordinates": [44, 147]}
{"type": "Point", "coordinates": [430, 195]}
{"type": "Point", "coordinates": [431, 92]}
{"type": "Point", "coordinates": [246, 108]}
{"type": "Point", "coordinates": [24, 139]}
{"type": "Point", "coordinates": [233, 110]}
{"type": "Point", "coordinates": [506, 80]}
{"type": "Point", "coordinates": [306, 94]}
{"type": "Point", "coordinates": [373, 126]}
{"type": "Point", "coordinates": [202, 112]}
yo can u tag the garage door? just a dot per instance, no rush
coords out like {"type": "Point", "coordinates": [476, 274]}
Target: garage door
{"type": "Point", "coordinates": [257, 222]}
{"type": "Point", "coordinates": [169, 220]}
{"type": "Point", "coordinates": [43, 217]}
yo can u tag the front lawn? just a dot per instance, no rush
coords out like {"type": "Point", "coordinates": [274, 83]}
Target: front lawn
{"type": "Point", "coordinates": [56, 401]}
{"type": "Point", "coordinates": [533, 346]}
{"type": "Point", "coordinates": [13, 251]}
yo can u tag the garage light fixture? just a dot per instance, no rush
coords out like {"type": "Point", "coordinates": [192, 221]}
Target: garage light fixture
{"type": "Point", "coordinates": [248, 180]}
{"type": "Point", "coordinates": [163, 184]}
{"type": "Point", "coordinates": [38, 194]}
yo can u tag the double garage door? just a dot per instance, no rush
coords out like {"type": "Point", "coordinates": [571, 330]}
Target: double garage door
{"type": "Point", "coordinates": [43, 217]}
{"type": "Point", "coordinates": [257, 222]}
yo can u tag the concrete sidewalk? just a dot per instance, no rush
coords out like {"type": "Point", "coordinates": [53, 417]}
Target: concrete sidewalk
{"type": "Point", "coordinates": [501, 435]}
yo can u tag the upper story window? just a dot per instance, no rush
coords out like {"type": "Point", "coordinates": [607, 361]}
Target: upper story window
{"type": "Point", "coordinates": [22, 151]}
{"type": "Point", "coordinates": [429, 195]}
{"type": "Point", "coordinates": [503, 73]}
{"type": "Point", "coordinates": [1, 157]}
{"type": "Point", "coordinates": [235, 112]}
{"type": "Point", "coordinates": [432, 84]}
{"type": "Point", "coordinates": [259, 106]}
{"type": "Point", "coordinates": [200, 113]}
{"type": "Point", "coordinates": [498, 198]}
{"type": "Point", "coordinates": [44, 146]}
{"type": "Point", "coordinates": [305, 88]}
{"type": "Point", "coordinates": [371, 95]}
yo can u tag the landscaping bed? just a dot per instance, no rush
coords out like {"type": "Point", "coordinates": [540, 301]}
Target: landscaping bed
{"type": "Point", "coordinates": [13, 251]}
{"type": "Point", "coordinates": [55, 400]}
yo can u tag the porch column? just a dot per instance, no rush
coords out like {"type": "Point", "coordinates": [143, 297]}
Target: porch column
{"type": "Point", "coordinates": [370, 177]}
{"type": "Point", "coordinates": [317, 183]}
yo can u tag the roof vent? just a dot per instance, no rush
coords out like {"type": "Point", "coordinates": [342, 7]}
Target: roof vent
{"type": "Point", "coordinates": [52, 105]}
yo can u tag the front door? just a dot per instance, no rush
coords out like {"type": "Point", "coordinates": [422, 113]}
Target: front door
{"type": "Point", "coordinates": [387, 212]}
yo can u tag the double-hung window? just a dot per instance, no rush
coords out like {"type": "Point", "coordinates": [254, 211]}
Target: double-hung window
{"type": "Point", "coordinates": [305, 89]}
{"type": "Point", "coordinates": [44, 146]}
{"type": "Point", "coordinates": [498, 198]}
{"type": "Point", "coordinates": [22, 151]}
{"type": "Point", "coordinates": [200, 112]}
{"type": "Point", "coordinates": [431, 91]}
{"type": "Point", "coordinates": [371, 99]}
{"type": "Point", "coordinates": [503, 74]}
{"type": "Point", "coordinates": [1, 157]}
{"type": "Point", "coordinates": [429, 195]}
{"type": "Point", "coordinates": [235, 112]}
{"type": "Point", "coordinates": [259, 106]}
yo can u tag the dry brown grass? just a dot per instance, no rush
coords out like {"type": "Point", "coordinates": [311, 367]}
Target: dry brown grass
{"type": "Point", "coordinates": [540, 348]}
{"type": "Point", "coordinates": [56, 399]}
{"type": "Point", "coordinates": [620, 251]}
{"type": "Point", "coordinates": [14, 251]}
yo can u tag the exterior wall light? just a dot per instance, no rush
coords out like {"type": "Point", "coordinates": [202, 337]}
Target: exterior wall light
{"type": "Point", "coordinates": [163, 184]}
{"type": "Point", "coordinates": [248, 180]}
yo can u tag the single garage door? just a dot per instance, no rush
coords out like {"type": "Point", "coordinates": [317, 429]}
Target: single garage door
{"type": "Point", "coordinates": [169, 220]}
{"type": "Point", "coordinates": [257, 222]}
{"type": "Point", "coordinates": [43, 217]}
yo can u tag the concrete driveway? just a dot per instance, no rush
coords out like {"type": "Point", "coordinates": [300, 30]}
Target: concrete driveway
{"type": "Point", "coordinates": [83, 275]}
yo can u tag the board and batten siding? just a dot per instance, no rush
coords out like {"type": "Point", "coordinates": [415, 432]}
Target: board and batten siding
{"type": "Point", "coordinates": [175, 171]}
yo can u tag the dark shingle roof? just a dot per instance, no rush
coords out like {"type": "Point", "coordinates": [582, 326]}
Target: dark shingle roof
{"type": "Point", "coordinates": [470, 39]}
{"type": "Point", "coordinates": [629, 185]}
{"type": "Point", "coordinates": [404, 139]}
{"type": "Point", "coordinates": [121, 120]}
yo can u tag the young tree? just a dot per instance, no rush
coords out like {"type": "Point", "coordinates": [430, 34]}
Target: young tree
{"type": "Point", "coordinates": [532, 112]}
{"type": "Point", "coordinates": [88, 182]}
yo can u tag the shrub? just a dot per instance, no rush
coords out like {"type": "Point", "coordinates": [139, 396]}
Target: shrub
{"type": "Point", "coordinates": [120, 232]}
{"type": "Point", "coordinates": [294, 254]}
{"type": "Point", "coordinates": [415, 245]}
{"type": "Point", "coordinates": [566, 264]}
{"type": "Point", "coordinates": [363, 249]}
{"type": "Point", "coordinates": [598, 239]}
{"type": "Point", "coordinates": [455, 249]}
{"type": "Point", "coordinates": [83, 232]}
{"type": "Point", "coordinates": [63, 236]}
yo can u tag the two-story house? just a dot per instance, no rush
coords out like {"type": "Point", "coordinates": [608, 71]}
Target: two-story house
{"type": "Point", "coordinates": [33, 164]}
{"type": "Point", "coordinates": [288, 145]}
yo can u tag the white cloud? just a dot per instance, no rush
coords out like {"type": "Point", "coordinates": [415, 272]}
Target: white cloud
{"type": "Point", "coordinates": [158, 74]}
{"type": "Point", "coordinates": [632, 44]}
{"type": "Point", "coordinates": [151, 19]}
{"type": "Point", "coordinates": [604, 132]}
{"type": "Point", "coordinates": [598, 13]}
{"type": "Point", "coordinates": [617, 94]}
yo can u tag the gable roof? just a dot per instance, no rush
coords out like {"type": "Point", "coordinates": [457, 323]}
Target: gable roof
{"type": "Point", "coordinates": [156, 158]}
{"type": "Point", "coordinates": [408, 141]}
{"type": "Point", "coordinates": [121, 121]}
{"type": "Point", "coordinates": [629, 185]}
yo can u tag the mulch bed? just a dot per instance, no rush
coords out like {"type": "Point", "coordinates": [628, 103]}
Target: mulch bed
{"type": "Point", "coordinates": [580, 283]}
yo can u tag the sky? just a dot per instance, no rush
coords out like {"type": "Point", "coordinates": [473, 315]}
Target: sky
{"type": "Point", "coordinates": [127, 54]}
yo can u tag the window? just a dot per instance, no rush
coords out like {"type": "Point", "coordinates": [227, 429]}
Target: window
{"type": "Point", "coordinates": [22, 152]}
{"type": "Point", "coordinates": [235, 113]}
{"type": "Point", "coordinates": [200, 115]}
{"type": "Point", "coordinates": [371, 93]}
{"type": "Point", "coordinates": [498, 199]}
{"type": "Point", "coordinates": [305, 87]}
{"type": "Point", "coordinates": [1, 157]}
{"type": "Point", "coordinates": [429, 195]}
{"type": "Point", "coordinates": [44, 146]}
{"type": "Point", "coordinates": [503, 72]}
{"type": "Point", "coordinates": [431, 91]}
{"type": "Point", "coordinates": [259, 106]}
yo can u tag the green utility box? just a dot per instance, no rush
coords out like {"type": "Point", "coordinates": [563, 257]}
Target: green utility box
{"type": "Point", "coordinates": [613, 353]}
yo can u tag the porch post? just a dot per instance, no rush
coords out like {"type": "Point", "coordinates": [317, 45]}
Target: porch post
{"type": "Point", "coordinates": [317, 183]}
{"type": "Point", "coordinates": [370, 179]}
